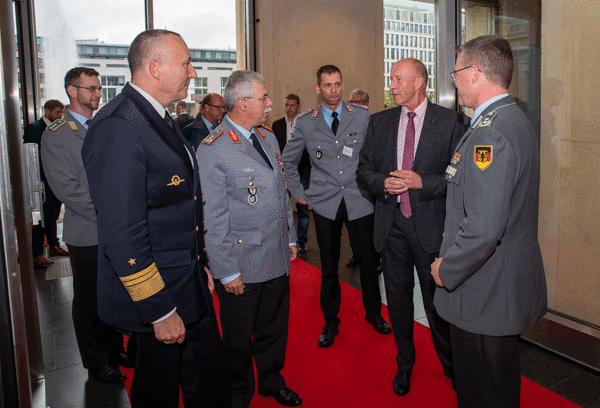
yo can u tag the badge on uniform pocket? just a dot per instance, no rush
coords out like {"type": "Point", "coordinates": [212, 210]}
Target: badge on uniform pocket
{"type": "Point", "coordinates": [252, 196]}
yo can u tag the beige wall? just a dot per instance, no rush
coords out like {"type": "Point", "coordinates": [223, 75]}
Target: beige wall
{"type": "Point", "coordinates": [295, 38]}
{"type": "Point", "coordinates": [570, 148]}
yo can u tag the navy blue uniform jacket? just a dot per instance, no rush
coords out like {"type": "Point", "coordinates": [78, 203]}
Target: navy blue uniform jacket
{"type": "Point", "coordinates": [150, 234]}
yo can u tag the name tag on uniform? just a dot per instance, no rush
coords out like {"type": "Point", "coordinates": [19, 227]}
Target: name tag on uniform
{"type": "Point", "coordinates": [451, 171]}
{"type": "Point", "coordinates": [347, 151]}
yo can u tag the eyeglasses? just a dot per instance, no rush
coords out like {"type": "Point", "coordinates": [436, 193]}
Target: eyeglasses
{"type": "Point", "coordinates": [453, 73]}
{"type": "Point", "coordinates": [92, 89]}
{"type": "Point", "coordinates": [216, 106]}
{"type": "Point", "coordinates": [262, 99]}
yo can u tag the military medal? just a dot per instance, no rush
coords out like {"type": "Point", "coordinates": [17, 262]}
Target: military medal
{"type": "Point", "coordinates": [319, 154]}
{"type": "Point", "coordinates": [252, 195]}
{"type": "Point", "coordinates": [456, 158]}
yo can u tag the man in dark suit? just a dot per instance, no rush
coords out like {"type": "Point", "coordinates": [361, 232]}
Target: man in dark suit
{"type": "Point", "coordinates": [183, 118]}
{"type": "Point", "coordinates": [212, 110]}
{"type": "Point", "coordinates": [250, 240]}
{"type": "Point", "coordinates": [283, 129]}
{"type": "Point", "coordinates": [152, 275]}
{"type": "Point", "coordinates": [402, 164]}
{"type": "Point", "coordinates": [490, 272]}
{"type": "Point", "coordinates": [53, 110]}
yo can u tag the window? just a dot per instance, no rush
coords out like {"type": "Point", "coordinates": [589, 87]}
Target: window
{"type": "Point", "coordinates": [200, 86]}
{"type": "Point", "coordinates": [223, 83]}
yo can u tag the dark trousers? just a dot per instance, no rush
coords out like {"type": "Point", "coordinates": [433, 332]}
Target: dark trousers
{"type": "Point", "coordinates": [197, 366]}
{"type": "Point", "coordinates": [401, 254]}
{"type": "Point", "coordinates": [255, 324]}
{"type": "Point", "coordinates": [51, 212]}
{"type": "Point", "coordinates": [303, 217]}
{"type": "Point", "coordinates": [486, 370]}
{"type": "Point", "coordinates": [329, 236]}
{"type": "Point", "coordinates": [98, 342]}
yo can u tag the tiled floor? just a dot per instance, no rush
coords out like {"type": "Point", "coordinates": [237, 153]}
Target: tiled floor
{"type": "Point", "coordinates": [68, 386]}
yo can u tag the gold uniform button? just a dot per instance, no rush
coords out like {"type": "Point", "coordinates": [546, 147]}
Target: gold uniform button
{"type": "Point", "coordinates": [196, 228]}
{"type": "Point", "coordinates": [194, 198]}
{"type": "Point", "coordinates": [239, 241]}
{"type": "Point", "coordinates": [251, 183]}
{"type": "Point", "coordinates": [202, 192]}
{"type": "Point", "coordinates": [203, 221]}
{"type": "Point", "coordinates": [198, 257]}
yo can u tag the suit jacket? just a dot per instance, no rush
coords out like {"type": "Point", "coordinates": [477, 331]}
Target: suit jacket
{"type": "Point", "coordinates": [183, 120]}
{"type": "Point", "coordinates": [280, 130]}
{"type": "Point", "coordinates": [492, 265]}
{"type": "Point", "coordinates": [145, 188]}
{"type": "Point", "coordinates": [196, 132]}
{"type": "Point", "coordinates": [61, 154]}
{"type": "Point", "coordinates": [249, 220]}
{"type": "Point", "coordinates": [33, 134]}
{"type": "Point", "coordinates": [333, 158]}
{"type": "Point", "coordinates": [439, 135]}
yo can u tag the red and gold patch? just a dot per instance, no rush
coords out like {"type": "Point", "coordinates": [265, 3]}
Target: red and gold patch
{"type": "Point", "coordinates": [483, 156]}
{"type": "Point", "coordinates": [260, 133]}
{"type": "Point", "coordinates": [233, 136]}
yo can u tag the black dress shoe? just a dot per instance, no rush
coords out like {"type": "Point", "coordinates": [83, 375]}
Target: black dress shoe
{"type": "Point", "coordinates": [330, 330]}
{"type": "Point", "coordinates": [285, 397]}
{"type": "Point", "coordinates": [122, 359]}
{"type": "Point", "coordinates": [351, 262]}
{"type": "Point", "coordinates": [302, 248]}
{"type": "Point", "coordinates": [401, 382]}
{"type": "Point", "coordinates": [108, 373]}
{"type": "Point", "coordinates": [378, 322]}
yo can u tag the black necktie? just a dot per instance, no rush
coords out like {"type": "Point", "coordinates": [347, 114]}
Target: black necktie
{"type": "Point", "coordinates": [335, 123]}
{"type": "Point", "coordinates": [260, 150]}
{"type": "Point", "coordinates": [169, 120]}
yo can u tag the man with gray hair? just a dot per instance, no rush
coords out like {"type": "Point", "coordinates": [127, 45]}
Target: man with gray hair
{"type": "Point", "coordinates": [250, 239]}
{"type": "Point", "coordinates": [153, 279]}
{"type": "Point", "coordinates": [490, 275]}
{"type": "Point", "coordinates": [359, 97]}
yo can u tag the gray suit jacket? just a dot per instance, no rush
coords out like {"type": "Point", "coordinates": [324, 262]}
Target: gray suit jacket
{"type": "Point", "coordinates": [249, 219]}
{"type": "Point", "coordinates": [440, 133]}
{"type": "Point", "coordinates": [334, 159]}
{"type": "Point", "coordinates": [492, 265]}
{"type": "Point", "coordinates": [61, 154]}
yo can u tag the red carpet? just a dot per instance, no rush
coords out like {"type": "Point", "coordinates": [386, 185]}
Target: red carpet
{"type": "Point", "coordinates": [357, 370]}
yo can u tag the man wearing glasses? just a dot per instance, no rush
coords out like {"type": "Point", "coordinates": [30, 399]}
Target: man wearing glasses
{"type": "Point", "coordinates": [212, 110]}
{"type": "Point", "coordinates": [250, 240]}
{"type": "Point", "coordinates": [100, 345]}
{"type": "Point", "coordinates": [490, 275]}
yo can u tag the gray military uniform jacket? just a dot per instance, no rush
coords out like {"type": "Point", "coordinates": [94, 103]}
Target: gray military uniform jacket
{"type": "Point", "coordinates": [61, 155]}
{"type": "Point", "coordinates": [492, 265]}
{"type": "Point", "coordinates": [249, 220]}
{"type": "Point", "coordinates": [334, 159]}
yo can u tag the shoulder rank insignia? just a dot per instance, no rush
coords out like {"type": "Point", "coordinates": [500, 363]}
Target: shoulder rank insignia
{"type": "Point", "coordinates": [306, 112]}
{"type": "Point", "coordinates": [72, 125]}
{"type": "Point", "coordinates": [56, 124]}
{"type": "Point", "coordinates": [483, 156]}
{"type": "Point", "coordinates": [260, 133]}
{"type": "Point", "coordinates": [487, 120]}
{"type": "Point", "coordinates": [349, 108]}
{"type": "Point", "coordinates": [264, 127]}
{"type": "Point", "coordinates": [233, 136]}
{"type": "Point", "coordinates": [315, 114]}
{"type": "Point", "coordinates": [356, 105]}
{"type": "Point", "coordinates": [212, 137]}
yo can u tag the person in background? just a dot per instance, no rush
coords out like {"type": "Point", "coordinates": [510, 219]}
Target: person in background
{"type": "Point", "coordinates": [53, 110]}
{"type": "Point", "coordinates": [212, 110]}
{"type": "Point", "coordinates": [283, 129]}
{"type": "Point", "coordinates": [182, 119]}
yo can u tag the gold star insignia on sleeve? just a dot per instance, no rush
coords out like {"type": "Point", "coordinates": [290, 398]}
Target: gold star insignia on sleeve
{"type": "Point", "coordinates": [131, 261]}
